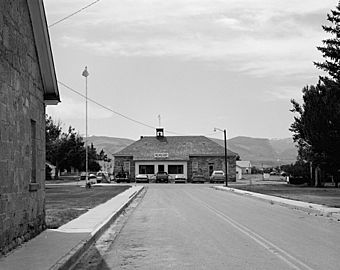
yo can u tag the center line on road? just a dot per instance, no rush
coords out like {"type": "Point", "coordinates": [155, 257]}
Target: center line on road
{"type": "Point", "coordinates": [271, 247]}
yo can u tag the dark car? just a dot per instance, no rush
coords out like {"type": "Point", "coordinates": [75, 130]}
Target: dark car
{"type": "Point", "coordinates": [297, 180]}
{"type": "Point", "coordinates": [197, 178]}
{"type": "Point", "coordinates": [122, 177]}
{"type": "Point", "coordinates": [162, 177]}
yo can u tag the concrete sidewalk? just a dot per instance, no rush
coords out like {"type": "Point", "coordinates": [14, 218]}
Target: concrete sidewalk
{"type": "Point", "coordinates": [310, 207]}
{"type": "Point", "coordinates": [60, 248]}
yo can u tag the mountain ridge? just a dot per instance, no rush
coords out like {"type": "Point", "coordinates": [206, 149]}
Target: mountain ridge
{"type": "Point", "coordinates": [260, 151]}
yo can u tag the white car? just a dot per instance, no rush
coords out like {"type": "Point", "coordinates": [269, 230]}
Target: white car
{"type": "Point", "coordinates": [142, 178]}
{"type": "Point", "coordinates": [103, 177]}
{"type": "Point", "coordinates": [92, 179]}
{"type": "Point", "coordinates": [180, 178]}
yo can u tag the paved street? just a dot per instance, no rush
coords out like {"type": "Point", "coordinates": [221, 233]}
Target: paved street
{"type": "Point", "coordinates": [195, 227]}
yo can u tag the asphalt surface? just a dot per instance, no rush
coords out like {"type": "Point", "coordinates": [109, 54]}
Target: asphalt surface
{"type": "Point", "coordinates": [196, 227]}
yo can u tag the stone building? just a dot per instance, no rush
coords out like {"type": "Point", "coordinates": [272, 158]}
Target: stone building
{"type": "Point", "coordinates": [175, 155]}
{"type": "Point", "coordinates": [27, 85]}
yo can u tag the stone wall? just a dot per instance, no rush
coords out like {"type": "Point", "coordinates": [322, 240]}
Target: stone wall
{"type": "Point", "coordinates": [218, 163]}
{"type": "Point", "coordinates": [22, 110]}
{"type": "Point", "coordinates": [119, 164]}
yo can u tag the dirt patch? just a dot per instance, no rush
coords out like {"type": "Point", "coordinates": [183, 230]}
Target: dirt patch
{"type": "Point", "coordinates": [64, 203]}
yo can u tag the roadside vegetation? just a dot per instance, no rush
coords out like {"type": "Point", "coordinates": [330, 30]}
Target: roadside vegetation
{"type": "Point", "coordinates": [66, 150]}
{"type": "Point", "coordinates": [316, 127]}
{"type": "Point", "coordinates": [67, 202]}
{"type": "Point", "coordinates": [277, 186]}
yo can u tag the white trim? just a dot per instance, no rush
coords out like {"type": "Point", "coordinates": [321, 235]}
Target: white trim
{"type": "Point", "coordinates": [44, 51]}
{"type": "Point", "coordinates": [165, 163]}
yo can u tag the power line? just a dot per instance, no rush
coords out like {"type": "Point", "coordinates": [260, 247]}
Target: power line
{"type": "Point", "coordinates": [74, 13]}
{"type": "Point", "coordinates": [109, 109]}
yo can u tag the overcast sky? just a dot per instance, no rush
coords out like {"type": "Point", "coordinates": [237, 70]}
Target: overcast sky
{"type": "Point", "coordinates": [199, 64]}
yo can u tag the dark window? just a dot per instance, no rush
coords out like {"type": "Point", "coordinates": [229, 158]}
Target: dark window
{"type": "Point", "coordinates": [175, 169]}
{"type": "Point", "coordinates": [161, 168]}
{"type": "Point", "coordinates": [146, 169]}
{"type": "Point", "coordinates": [33, 152]}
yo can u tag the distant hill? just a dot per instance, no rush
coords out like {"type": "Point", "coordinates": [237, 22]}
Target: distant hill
{"type": "Point", "coordinates": [261, 151]}
{"type": "Point", "coordinates": [110, 145]}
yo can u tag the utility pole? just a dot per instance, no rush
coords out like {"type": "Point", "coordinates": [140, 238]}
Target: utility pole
{"type": "Point", "coordinates": [87, 184]}
{"type": "Point", "coordinates": [225, 154]}
{"type": "Point", "coordinates": [225, 157]}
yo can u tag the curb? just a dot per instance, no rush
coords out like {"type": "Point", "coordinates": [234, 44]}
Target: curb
{"type": "Point", "coordinates": [69, 259]}
{"type": "Point", "coordinates": [307, 207]}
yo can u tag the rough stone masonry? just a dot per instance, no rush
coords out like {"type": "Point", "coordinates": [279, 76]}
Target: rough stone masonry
{"type": "Point", "coordinates": [22, 129]}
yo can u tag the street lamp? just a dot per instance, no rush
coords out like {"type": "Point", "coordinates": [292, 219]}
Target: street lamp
{"type": "Point", "coordinates": [225, 154]}
{"type": "Point", "coordinates": [87, 184]}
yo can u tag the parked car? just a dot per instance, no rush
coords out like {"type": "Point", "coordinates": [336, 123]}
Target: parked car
{"type": "Point", "coordinates": [217, 176]}
{"type": "Point", "coordinates": [162, 177]}
{"type": "Point", "coordinates": [197, 178]}
{"type": "Point", "coordinates": [180, 178]}
{"type": "Point", "coordinates": [103, 177]}
{"type": "Point", "coordinates": [297, 180]}
{"type": "Point", "coordinates": [122, 177]}
{"type": "Point", "coordinates": [284, 174]}
{"type": "Point", "coordinates": [92, 179]}
{"type": "Point", "coordinates": [142, 178]}
{"type": "Point", "coordinates": [83, 176]}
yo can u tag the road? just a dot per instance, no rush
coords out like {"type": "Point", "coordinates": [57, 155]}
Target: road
{"type": "Point", "coordinates": [196, 227]}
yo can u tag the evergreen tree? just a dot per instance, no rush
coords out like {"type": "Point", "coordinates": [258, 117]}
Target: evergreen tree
{"type": "Point", "coordinates": [331, 48]}
{"type": "Point", "coordinates": [317, 128]}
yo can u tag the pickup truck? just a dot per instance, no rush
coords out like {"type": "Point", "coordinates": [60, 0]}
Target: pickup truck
{"type": "Point", "coordinates": [162, 177]}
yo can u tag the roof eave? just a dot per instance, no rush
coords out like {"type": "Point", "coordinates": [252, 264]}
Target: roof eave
{"type": "Point", "coordinates": [44, 51]}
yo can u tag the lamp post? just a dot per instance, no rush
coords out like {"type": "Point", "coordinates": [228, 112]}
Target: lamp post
{"type": "Point", "coordinates": [87, 184]}
{"type": "Point", "coordinates": [225, 154]}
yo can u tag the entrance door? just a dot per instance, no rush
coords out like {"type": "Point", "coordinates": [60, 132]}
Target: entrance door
{"type": "Point", "coordinates": [211, 168]}
{"type": "Point", "coordinates": [161, 168]}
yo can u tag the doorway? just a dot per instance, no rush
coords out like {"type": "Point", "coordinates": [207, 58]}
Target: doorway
{"type": "Point", "coordinates": [211, 168]}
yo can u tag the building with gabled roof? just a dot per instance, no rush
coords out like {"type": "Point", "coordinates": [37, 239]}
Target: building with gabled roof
{"type": "Point", "coordinates": [175, 155]}
{"type": "Point", "coordinates": [245, 166]}
{"type": "Point", "coordinates": [27, 84]}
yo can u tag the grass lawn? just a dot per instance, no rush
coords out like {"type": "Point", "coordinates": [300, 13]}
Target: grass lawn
{"type": "Point", "coordinates": [328, 196]}
{"type": "Point", "coordinates": [64, 203]}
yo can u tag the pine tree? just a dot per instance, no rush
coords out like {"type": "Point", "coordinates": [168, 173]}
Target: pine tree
{"type": "Point", "coordinates": [331, 48]}
{"type": "Point", "coordinates": [317, 128]}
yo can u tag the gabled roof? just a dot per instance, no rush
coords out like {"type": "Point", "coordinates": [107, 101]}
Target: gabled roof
{"type": "Point", "coordinates": [43, 46]}
{"type": "Point", "coordinates": [176, 147]}
{"type": "Point", "coordinates": [243, 164]}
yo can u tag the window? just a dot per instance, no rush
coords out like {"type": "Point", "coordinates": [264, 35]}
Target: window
{"type": "Point", "coordinates": [33, 152]}
{"type": "Point", "coordinates": [146, 169]}
{"type": "Point", "coordinates": [175, 169]}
